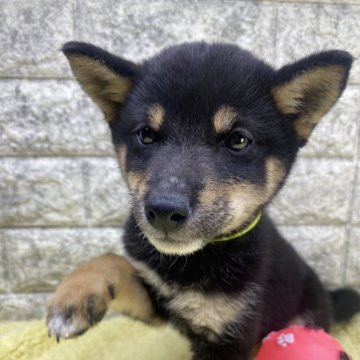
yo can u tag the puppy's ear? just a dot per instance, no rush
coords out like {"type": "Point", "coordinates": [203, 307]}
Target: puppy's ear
{"type": "Point", "coordinates": [306, 90]}
{"type": "Point", "coordinates": [106, 78]}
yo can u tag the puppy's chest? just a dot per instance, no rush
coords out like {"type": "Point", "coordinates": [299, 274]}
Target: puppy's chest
{"type": "Point", "coordinates": [209, 314]}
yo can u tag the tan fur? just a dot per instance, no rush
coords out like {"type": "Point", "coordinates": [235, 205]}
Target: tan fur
{"type": "Point", "coordinates": [224, 119]}
{"type": "Point", "coordinates": [212, 312]}
{"type": "Point", "coordinates": [243, 199]}
{"type": "Point", "coordinates": [152, 278]}
{"type": "Point", "coordinates": [131, 297]}
{"type": "Point", "coordinates": [289, 96]}
{"type": "Point", "coordinates": [246, 198]}
{"type": "Point", "coordinates": [137, 183]}
{"type": "Point", "coordinates": [205, 312]}
{"type": "Point", "coordinates": [106, 88]}
{"type": "Point", "coordinates": [275, 175]}
{"type": "Point", "coordinates": [122, 161]}
{"type": "Point", "coordinates": [91, 282]}
{"type": "Point", "coordinates": [209, 194]}
{"type": "Point", "coordinates": [156, 115]}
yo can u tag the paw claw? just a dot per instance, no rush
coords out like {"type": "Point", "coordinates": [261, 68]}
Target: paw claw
{"type": "Point", "coordinates": [60, 325]}
{"type": "Point", "coordinates": [90, 319]}
{"type": "Point", "coordinates": [111, 290]}
{"type": "Point", "coordinates": [73, 310]}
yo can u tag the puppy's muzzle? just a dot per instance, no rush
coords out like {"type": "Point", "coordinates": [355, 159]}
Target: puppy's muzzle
{"type": "Point", "coordinates": [167, 212]}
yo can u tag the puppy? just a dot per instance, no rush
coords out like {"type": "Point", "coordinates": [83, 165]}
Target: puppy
{"type": "Point", "coordinates": [205, 136]}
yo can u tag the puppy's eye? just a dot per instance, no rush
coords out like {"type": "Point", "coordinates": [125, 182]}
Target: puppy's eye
{"type": "Point", "coordinates": [147, 136]}
{"type": "Point", "coordinates": [237, 141]}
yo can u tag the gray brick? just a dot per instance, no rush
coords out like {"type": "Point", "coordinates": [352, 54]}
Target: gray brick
{"type": "Point", "coordinates": [336, 134]}
{"type": "Point", "coordinates": [353, 259]}
{"type": "Point", "coordinates": [322, 247]}
{"type": "Point", "coordinates": [4, 282]}
{"type": "Point", "coordinates": [41, 192]}
{"type": "Point", "coordinates": [133, 31]}
{"type": "Point", "coordinates": [23, 306]}
{"type": "Point", "coordinates": [356, 205]}
{"type": "Point", "coordinates": [317, 192]}
{"type": "Point", "coordinates": [50, 118]}
{"type": "Point", "coordinates": [31, 34]}
{"type": "Point", "coordinates": [108, 196]}
{"type": "Point", "coordinates": [39, 259]}
{"type": "Point", "coordinates": [305, 28]}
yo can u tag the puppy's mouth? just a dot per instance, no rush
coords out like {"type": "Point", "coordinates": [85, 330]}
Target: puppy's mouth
{"type": "Point", "coordinates": [171, 246]}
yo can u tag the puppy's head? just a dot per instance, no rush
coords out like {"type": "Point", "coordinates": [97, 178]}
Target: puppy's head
{"type": "Point", "coordinates": [206, 134]}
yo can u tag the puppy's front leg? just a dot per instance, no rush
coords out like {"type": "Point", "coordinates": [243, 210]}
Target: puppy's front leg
{"type": "Point", "coordinates": [83, 298]}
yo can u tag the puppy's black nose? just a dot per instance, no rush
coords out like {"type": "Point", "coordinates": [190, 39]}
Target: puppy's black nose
{"type": "Point", "coordinates": [166, 212]}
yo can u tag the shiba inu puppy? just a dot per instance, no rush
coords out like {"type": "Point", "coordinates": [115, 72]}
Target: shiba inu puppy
{"type": "Point", "coordinates": [205, 135]}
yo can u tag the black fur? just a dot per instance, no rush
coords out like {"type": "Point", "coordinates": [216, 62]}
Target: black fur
{"type": "Point", "coordinates": [191, 82]}
{"type": "Point", "coordinates": [346, 302]}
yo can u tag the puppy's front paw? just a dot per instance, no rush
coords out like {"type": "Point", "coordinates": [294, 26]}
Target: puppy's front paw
{"type": "Point", "coordinates": [76, 306]}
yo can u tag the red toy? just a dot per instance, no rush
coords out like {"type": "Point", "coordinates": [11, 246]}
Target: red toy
{"type": "Point", "coordinates": [300, 343]}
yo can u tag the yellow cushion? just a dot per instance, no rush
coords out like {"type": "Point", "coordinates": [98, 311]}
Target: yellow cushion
{"type": "Point", "coordinates": [120, 338]}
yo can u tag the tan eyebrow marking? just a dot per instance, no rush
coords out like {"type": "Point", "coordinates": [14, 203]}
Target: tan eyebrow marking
{"type": "Point", "coordinates": [224, 119]}
{"type": "Point", "coordinates": [156, 115]}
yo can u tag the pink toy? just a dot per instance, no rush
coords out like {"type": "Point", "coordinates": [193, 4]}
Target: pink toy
{"type": "Point", "coordinates": [300, 343]}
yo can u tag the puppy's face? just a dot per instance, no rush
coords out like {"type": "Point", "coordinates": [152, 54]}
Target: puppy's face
{"type": "Point", "coordinates": [200, 149]}
{"type": "Point", "coordinates": [206, 134]}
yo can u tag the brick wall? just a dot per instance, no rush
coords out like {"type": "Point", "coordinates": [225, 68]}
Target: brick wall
{"type": "Point", "coordinates": [61, 197]}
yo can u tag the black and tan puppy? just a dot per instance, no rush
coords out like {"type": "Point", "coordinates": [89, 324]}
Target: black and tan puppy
{"type": "Point", "coordinates": [205, 136]}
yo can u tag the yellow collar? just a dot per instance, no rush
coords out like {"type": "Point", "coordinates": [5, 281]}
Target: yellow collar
{"type": "Point", "coordinates": [241, 232]}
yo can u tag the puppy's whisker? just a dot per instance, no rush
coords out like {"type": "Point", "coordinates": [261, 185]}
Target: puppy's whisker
{"type": "Point", "coordinates": [175, 259]}
{"type": "Point", "coordinates": [185, 263]}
